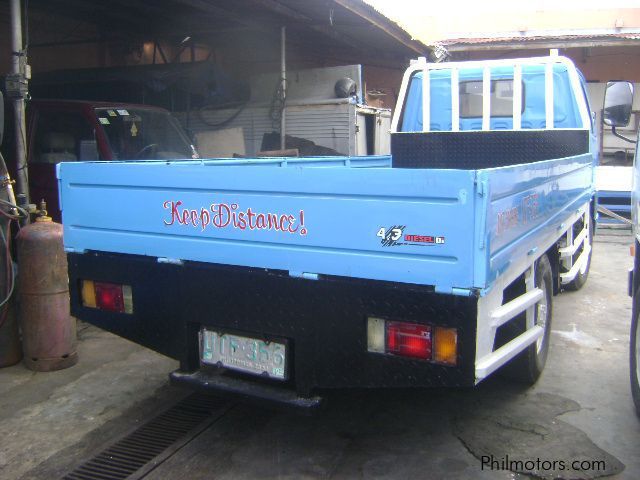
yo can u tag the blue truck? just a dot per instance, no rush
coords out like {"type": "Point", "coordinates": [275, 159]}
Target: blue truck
{"type": "Point", "coordinates": [617, 113]}
{"type": "Point", "coordinates": [278, 279]}
{"type": "Point", "coordinates": [634, 290]}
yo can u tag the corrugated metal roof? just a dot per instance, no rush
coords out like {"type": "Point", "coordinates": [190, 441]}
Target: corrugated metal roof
{"type": "Point", "coordinates": [530, 38]}
{"type": "Point", "coordinates": [326, 24]}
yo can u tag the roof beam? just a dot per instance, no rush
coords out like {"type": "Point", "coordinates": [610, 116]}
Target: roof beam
{"type": "Point", "coordinates": [146, 9]}
{"type": "Point", "coordinates": [208, 7]}
{"type": "Point", "coordinates": [94, 14]}
{"type": "Point", "coordinates": [383, 23]}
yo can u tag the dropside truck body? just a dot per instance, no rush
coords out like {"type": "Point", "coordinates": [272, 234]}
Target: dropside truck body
{"type": "Point", "coordinates": [275, 279]}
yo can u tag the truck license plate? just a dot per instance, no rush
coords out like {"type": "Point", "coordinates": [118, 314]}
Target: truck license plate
{"type": "Point", "coordinates": [245, 354]}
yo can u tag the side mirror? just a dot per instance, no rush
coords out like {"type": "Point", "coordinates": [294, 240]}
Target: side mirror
{"type": "Point", "coordinates": [1, 117]}
{"type": "Point", "coordinates": [618, 98]}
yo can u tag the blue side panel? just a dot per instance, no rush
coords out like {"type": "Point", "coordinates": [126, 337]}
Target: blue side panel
{"type": "Point", "coordinates": [566, 113]}
{"type": "Point", "coordinates": [528, 207]}
{"type": "Point", "coordinates": [347, 217]}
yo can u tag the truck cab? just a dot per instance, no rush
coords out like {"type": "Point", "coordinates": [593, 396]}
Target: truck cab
{"type": "Point", "coordinates": [527, 96]}
{"type": "Point", "coordinates": [69, 131]}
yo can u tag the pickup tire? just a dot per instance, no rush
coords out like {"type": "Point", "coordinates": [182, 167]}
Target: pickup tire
{"type": "Point", "coordinates": [634, 357]}
{"type": "Point", "coordinates": [528, 365]}
{"type": "Point", "coordinates": [578, 282]}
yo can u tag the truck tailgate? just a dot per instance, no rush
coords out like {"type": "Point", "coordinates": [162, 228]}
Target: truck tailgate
{"type": "Point", "coordinates": [347, 217]}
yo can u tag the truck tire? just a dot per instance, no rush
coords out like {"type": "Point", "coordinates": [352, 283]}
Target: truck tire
{"type": "Point", "coordinates": [578, 282]}
{"type": "Point", "coordinates": [528, 365]}
{"type": "Point", "coordinates": [634, 357]}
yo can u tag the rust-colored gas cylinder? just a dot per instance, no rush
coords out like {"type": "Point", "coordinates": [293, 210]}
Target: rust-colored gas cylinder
{"type": "Point", "coordinates": [48, 330]}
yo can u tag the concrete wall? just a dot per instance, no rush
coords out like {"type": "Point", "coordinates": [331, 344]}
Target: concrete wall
{"type": "Point", "coordinates": [600, 64]}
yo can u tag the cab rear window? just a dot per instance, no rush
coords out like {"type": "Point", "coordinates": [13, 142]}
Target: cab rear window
{"type": "Point", "coordinates": [501, 98]}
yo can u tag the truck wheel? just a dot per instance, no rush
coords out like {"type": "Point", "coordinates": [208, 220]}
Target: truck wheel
{"type": "Point", "coordinates": [634, 358]}
{"type": "Point", "coordinates": [528, 365]}
{"type": "Point", "coordinates": [578, 282]}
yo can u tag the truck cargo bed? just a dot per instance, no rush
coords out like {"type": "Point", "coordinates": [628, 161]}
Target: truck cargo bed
{"type": "Point", "coordinates": [351, 217]}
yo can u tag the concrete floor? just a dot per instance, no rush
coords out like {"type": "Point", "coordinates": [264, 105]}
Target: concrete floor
{"type": "Point", "coordinates": [580, 409]}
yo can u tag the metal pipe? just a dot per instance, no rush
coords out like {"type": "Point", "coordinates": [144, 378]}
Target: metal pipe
{"type": "Point", "coordinates": [486, 99]}
{"type": "Point", "coordinates": [16, 36]}
{"type": "Point", "coordinates": [426, 100]}
{"type": "Point", "coordinates": [517, 97]}
{"type": "Point", "coordinates": [548, 96]}
{"type": "Point", "coordinates": [455, 100]}
{"type": "Point", "coordinates": [18, 64]}
{"type": "Point", "coordinates": [283, 79]}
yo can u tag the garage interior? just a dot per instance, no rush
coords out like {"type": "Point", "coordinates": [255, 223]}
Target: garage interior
{"type": "Point", "coordinates": [217, 66]}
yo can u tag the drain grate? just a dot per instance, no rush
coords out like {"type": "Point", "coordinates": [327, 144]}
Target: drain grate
{"type": "Point", "coordinates": [153, 441]}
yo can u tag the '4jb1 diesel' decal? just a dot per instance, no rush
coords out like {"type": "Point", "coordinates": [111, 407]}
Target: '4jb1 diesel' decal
{"type": "Point", "coordinates": [394, 236]}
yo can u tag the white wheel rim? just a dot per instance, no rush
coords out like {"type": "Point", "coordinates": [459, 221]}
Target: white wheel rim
{"type": "Point", "coordinates": [583, 268]}
{"type": "Point", "coordinates": [541, 316]}
{"type": "Point", "coordinates": [586, 243]}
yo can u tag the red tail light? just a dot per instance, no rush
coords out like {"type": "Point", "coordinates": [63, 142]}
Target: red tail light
{"type": "Point", "coordinates": [109, 297]}
{"type": "Point", "coordinates": [409, 340]}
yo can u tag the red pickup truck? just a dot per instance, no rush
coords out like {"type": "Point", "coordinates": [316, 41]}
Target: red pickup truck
{"type": "Point", "coordinates": [68, 130]}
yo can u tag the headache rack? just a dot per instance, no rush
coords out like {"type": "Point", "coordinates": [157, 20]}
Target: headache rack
{"type": "Point", "coordinates": [421, 65]}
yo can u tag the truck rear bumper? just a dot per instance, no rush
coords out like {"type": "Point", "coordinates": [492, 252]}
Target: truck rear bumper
{"type": "Point", "coordinates": [247, 390]}
{"type": "Point", "coordinates": [324, 323]}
